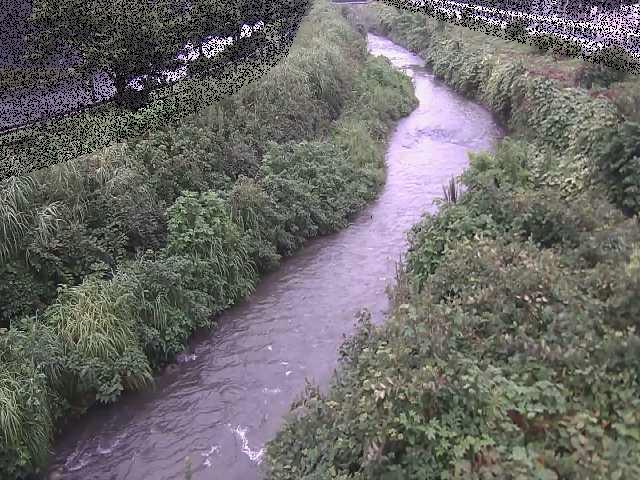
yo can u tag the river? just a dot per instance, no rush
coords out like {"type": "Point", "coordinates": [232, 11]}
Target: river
{"type": "Point", "coordinates": [230, 391]}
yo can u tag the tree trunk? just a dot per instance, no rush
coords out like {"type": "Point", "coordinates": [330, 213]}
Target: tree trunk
{"type": "Point", "coordinates": [92, 81]}
{"type": "Point", "coordinates": [120, 81]}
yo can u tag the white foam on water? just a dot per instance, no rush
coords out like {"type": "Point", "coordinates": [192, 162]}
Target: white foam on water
{"type": "Point", "coordinates": [186, 357]}
{"type": "Point", "coordinates": [108, 450]}
{"type": "Point", "coordinates": [214, 449]}
{"type": "Point", "coordinates": [254, 456]}
{"type": "Point", "coordinates": [77, 460]}
{"type": "Point", "coordinates": [207, 460]}
{"type": "Point", "coordinates": [271, 390]}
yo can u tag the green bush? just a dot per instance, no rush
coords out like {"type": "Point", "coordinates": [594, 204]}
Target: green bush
{"type": "Point", "coordinates": [434, 235]}
{"type": "Point", "coordinates": [566, 47]}
{"type": "Point", "coordinates": [510, 164]}
{"type": "Point", "coordinates": [511, 361]}
{"type": "Point", "coordinates": [615, 56]}
{"type": "Point", "coordinates": [167, 305]}
{"type": "Point", "coordinates": [201, 229]}
{"type": "Point", "coordinates": [618, 162]}
{"type": "Point", "coordinates": [592, 75]}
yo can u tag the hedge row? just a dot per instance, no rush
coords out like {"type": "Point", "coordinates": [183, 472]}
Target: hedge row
{"type": "Point", "coordinates": [239, 185]}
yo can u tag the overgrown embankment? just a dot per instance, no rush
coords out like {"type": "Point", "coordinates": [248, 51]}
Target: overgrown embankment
{"type": "Point", "coordinates": [512, 349]}
{"type": "Point", "coordinates": [149, 240]}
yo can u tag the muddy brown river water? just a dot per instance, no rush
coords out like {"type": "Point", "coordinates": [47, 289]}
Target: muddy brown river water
{"type": "Point", "coordinates": [233, 386]}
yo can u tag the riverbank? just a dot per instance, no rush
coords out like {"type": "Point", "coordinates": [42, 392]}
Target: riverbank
{"type": "Point", "coordinates": [512, 346]}
{"type": "Point", "coordinates": [550, 107]}
{"type": "Point", "coordinates": [161, 234]}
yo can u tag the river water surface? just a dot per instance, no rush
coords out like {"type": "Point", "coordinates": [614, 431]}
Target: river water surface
{"type": "Point", "coordinates": [232, 388]}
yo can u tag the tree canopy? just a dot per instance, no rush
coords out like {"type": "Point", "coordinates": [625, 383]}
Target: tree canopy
{"type": "Point", "coordinates": [129, 38]}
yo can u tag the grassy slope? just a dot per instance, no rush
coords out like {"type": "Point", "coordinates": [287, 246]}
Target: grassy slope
{"type": "Point", "coordinates": [305, 153]}
{"type": "Point", "coordinates": [512, 348]}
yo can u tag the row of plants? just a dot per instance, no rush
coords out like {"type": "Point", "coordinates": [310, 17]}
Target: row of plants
{"type": "Point", "coordinates": [149, 240]}
{"type": "Point", "coordinates": [611, 56]}
{"type": "Point", "coordinates": [511, 350]}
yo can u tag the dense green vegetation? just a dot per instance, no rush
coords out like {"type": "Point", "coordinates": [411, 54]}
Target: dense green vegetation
{"type": "Point", "coordinates": [127, 38]}
{"type": "Point", "coordinates": [109, 263]}
{"type": "Point", "coordinates": [109, 49]}
{"type": "Point", "coordinates": [590, 139]}
{"type": "Point", "coordinates": [512, 348]}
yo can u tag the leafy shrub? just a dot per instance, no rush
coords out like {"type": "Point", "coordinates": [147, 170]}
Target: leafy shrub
{"type": "Point", "coordinates": [166, 306]}
{"type": "Point", "coordinates": [200, 228]}
{"type": "Point", "coordinates": [433, 236]}
{"type": "Point", "coordinates": [627, 100]}
{"type": "Point", "coordinates": [619, 165]}
{"type": "Point", "coordinates": [508, 165]}
{"type": "Point", "coordinates": [616, 57]}
{"type": "Point", "coordinates": [181, 160]}
{"type": "Point", "coordinates": [597, 75]}
{"type": "Point", "coordinates": [21, 291]}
